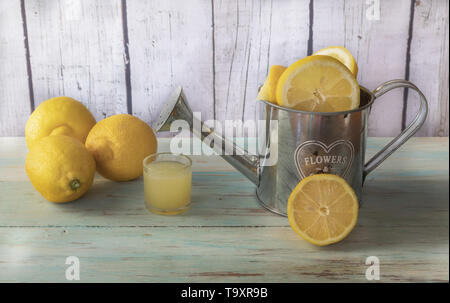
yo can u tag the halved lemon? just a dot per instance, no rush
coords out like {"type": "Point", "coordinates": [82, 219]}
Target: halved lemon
{"type": "Point", "coordinates": [342, 54]}
{"type": "Point", "coordinates": [323, 209]}
{"type": "Point", "coordinates": [269, 88]}
{"type": "Point", "coordinates": [318, 84]}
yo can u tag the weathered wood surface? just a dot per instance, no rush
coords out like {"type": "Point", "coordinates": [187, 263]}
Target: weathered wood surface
{"type": "Point", "coordinates": [126, 55]}
{"type": "Point", "coordinates": [76, 50]}
{"type": "Point", "coordinates": [379, 47]}
{"type": "Point", "coordinates": [249, 37]}
{"type": "Point", "coordinates": [226, 236]}
{"type": "Point", "coordinates": [170, 46]}
{"type": "Point", "coordinates": [431, 20]}
{"type": "Point", "coordinates": [14, 94]}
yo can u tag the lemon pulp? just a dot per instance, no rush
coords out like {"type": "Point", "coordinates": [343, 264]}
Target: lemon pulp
{"type": "Point", "coordinates": [323, 209]}
{"type": "Point", "coordinates": [318, 84]}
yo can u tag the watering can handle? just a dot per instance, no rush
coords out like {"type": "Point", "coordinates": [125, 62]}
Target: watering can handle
{"type": "Point", "coordinates": [407, 133]}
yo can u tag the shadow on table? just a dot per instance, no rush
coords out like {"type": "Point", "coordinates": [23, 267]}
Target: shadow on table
{"type": "Point", "coordinates": [400, 214]}
{"type": "Point", "coordinates": [107, 195]}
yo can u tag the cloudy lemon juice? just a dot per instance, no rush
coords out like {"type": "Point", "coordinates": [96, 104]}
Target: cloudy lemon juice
{"type": "Point", "coordinates": [167, 183]}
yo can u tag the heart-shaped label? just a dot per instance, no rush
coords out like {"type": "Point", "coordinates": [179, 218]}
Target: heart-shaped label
{"type": "Point", "coordinates": [313, 157]}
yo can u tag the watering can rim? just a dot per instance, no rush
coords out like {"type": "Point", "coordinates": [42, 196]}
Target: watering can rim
{"type": "Point", "coordinates": [361, 108]}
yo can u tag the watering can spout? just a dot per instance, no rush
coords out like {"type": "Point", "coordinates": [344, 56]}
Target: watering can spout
{"type": "Point", "coordinates": [176, 108]}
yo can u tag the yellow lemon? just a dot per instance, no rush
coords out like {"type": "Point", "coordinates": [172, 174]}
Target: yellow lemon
{"type": "Point", "coordinates": [59, 116]}
{"type": "Point", "coordinates": [60, 168]}
{"type": "Point", "coordinates": [268, 90]}
{"type": "Point", "coordinates": [119, 144]}
{"type": "Point", "coordinates": [318, 84]}
{"type": "Point", "coordinates": [323, 209]}
{"type": "Point", "coordinates": [342, 54]}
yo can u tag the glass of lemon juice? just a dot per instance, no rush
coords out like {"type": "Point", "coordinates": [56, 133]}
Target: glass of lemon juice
{"type": "Point", "coordinates": [167, 183]}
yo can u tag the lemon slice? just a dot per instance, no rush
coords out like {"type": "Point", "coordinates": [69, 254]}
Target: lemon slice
{"type": "Point", "coordinates": [268, 90]}
{"type": "Point", "coordinates": [322, 209]}
{"type": "Point", "coordinates": [342, 54]}
{"type": "Point", "coordinates": [318, 84]}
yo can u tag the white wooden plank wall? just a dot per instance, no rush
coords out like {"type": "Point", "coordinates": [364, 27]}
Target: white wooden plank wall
{"type": "Point", "coordinates": [241, 35]}
{"type": "Point", "coordinates": [15, 106]}
{"type": "Point", "coordinates": [430, 70]}
{"type": "Point", "coordinates": [170, 44]}
{"type": "Point", "coordinates": [76, 50]}
{"type": "Point", "coordinates": [379, 47]}
{"type": "Point", "coordinates": [123, 56]}
{"type": "Point", "coordinates": [249, 37]}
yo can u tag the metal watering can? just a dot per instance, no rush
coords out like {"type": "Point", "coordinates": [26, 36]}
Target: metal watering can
{"type": "Point", "coordinates": [303, 143]}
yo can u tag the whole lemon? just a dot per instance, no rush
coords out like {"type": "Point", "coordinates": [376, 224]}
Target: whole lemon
{"type": "Point", "coordinates": [59, 116]}
{"type": "Point", "coordinates": [60, 168]}
{"type": "Point", "coordinates": [119, 144]}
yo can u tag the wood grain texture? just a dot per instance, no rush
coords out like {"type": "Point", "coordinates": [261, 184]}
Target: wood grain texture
{"type": "Point", "coordinates": [14, 93]}
{"type": "Point", "coordinates": [219, 51]}
{"type": "Point", "coordinates": [430, 72]}
{"type": "Point", "coordinates": [220, 254]}
{"type": "Point", "coordinates": [170, 45]}
{"type": "Point", "coordinates": [249, 37]}
{"type": "Point", "coordinates": [379, 47]}
{"type": "Point", "coordinates": [77, 50]}
{"type": "Point", "coordinates": [403, 221]}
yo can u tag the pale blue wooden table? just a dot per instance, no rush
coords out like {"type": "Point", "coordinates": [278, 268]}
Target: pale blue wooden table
{"type": "Point", "coordinates": [226, 236]}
